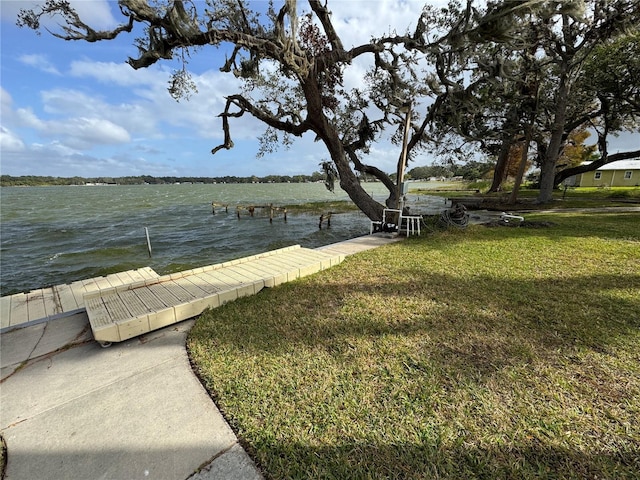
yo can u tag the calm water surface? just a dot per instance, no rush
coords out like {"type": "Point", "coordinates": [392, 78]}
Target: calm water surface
{"type": "Point", "coordinates": [55, 235]}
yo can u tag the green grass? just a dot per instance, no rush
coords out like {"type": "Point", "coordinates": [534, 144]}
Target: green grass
{"type": "Point", "coordinates": [479, 353]}
{"type": "Point", "coordinates": [574, 197]}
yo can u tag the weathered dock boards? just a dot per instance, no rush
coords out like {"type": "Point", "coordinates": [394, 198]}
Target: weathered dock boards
{"type": "Point", "coordinates": [46, 304]}
{"type": "Point", "coordinates": [119, 313]}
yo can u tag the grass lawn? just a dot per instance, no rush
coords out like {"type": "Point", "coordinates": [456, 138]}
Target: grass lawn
{"type": "Point", "coordinates": [574, 197]}
{"type": "Point", "coordinates": [479, 353]}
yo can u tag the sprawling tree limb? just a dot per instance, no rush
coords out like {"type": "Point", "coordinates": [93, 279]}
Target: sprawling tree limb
{"type": "Point", "coordinates": [570, 172]}
{"type": "Point", "coordinates": [246, 106]}
{"type": "Point", "coordinates": [324, 15]}
{"type": "Point", "coordinates": [75, 28]}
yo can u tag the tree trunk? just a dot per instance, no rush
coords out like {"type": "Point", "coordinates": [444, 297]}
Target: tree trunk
{"type": "Point", "coordinates": [522, 167]}
{"type": "Point", "coordinates": [501, 163]}
{"type": "Point", "coordinates": [349, 181]}
{"type": "Point", "coordinates": [548, 167]}
{"type": "Point", "coordinates": [326, 131]}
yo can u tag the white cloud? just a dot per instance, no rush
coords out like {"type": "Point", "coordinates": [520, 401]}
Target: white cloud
{"type": "Point", "coordinates": [83, 132]}
{"type": "Point", "coordinates": [9, 141]}
{"type": "Point", "coordinates": [26, 118]}
{"type": "Point", "coordinates": [96, 13]}
{"type": "Point", "coordinates": [39, 61]}
{"type": "Point", "coordinates": [63, 161]}
{"type": "Point", "coordinates": [149, 102]}
{"type": "Point", "coordinates": [68, 105]}
{"type": "Point", "coordinates": [78, 132]}
{"type": "Point", "coordinates": [121, 74]}
{"type": "Point", "coordinates": [6, 104]}
{"type": "Point", "coordinates": [356, 21]}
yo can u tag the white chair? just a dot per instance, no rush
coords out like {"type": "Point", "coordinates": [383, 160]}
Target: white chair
{"type": "Point", "coordinates": [412, 224]}
{"type": "Point", "coordinates": [392, 216]}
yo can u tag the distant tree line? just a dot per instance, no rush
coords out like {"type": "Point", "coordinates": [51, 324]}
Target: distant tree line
{"type": "Point", "coordinates": [472, 170]}
{"type": "Point", "coordinates": [34, 180]}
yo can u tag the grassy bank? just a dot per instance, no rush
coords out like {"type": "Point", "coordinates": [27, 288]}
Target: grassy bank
{"type": "Point", "coordinates": [574, 197]}
{"type": "Point", "coordinates": [484, 353]}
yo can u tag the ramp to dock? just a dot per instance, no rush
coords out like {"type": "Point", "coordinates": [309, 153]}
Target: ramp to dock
{"type": "Point", "coordinates": [122, 312]}
{"type": "Point", "coordinates": [44, 304]}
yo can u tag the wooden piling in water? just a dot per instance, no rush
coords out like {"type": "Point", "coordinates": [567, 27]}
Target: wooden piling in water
{"type": "Point", "coordinates": [252, 208]}
{"type": "Point", "coordinates": [323, 217]}
{"type": "Point", "coordinates": [215, 204]}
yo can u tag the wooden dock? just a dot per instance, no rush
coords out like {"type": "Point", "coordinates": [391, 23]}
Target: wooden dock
{"type": "Point", "coordinates": [46, 304]}
{"type": "Point", "coordinates": [119, 313]}
{"type": "Point", "coordinates": [128, 304]}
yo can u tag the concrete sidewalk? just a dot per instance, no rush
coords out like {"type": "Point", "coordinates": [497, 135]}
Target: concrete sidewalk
{"type": "Point", "coordinates": [73, 410]}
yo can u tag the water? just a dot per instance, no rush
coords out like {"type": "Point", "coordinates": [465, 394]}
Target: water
{"type": "Point", "coordinates": [55, 235]}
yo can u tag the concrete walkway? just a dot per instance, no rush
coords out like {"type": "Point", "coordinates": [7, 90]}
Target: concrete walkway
{"type": "Point", "coordinates": [74, 410]}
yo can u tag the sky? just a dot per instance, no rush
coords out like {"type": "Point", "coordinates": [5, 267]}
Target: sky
{"type": "Point", "coordinates": [77, 109]}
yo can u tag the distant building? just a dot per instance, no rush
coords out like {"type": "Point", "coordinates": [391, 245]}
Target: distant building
{"type": "Point", "coordinates": [623, 173]}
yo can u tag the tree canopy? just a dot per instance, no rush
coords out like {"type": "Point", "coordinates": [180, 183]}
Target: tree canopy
{"type": "Point", "coordinates": [470, 74]}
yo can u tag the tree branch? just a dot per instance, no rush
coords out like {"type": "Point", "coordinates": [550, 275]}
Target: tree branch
{"type": "Point", "coordinates": [570, 172]}
{"type": "Point", "coordinates": [324, 15]}
{"type": "Point", "coordinates": [75, 28]}
{"type": "Point", "coordinates": [245, 105]}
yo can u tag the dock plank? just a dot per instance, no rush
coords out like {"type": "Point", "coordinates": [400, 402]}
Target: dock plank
{"type": "Point", "coordinates": [141, 274]}
{"type": "Point", "coordinates": [67, 299]}
{"type": "Point", "coordinates": [118, 279]}
{"type": "Point", "coordinates": [5, 311]}
{"type": "Point", "coordinates": [159, 301]}
{"type": "Point", "coordinates": [104, 330]}
{"type": "Point", "coordinates": [193, 289]}
{"type": "Point", "coordinates": [260, 278]}
{"type": "Point", "coordinates": [244, 285]}
{"type": "Point", "coordinates": [218, 279]}
{"type": "Point", "coordinates": [287, 271]}
{"type": "Point", "coordinates": [134, 303]}
{"type": "Point", "coordinates": [19, 311]}
{"type": "Point", "coordinates": [150, 301]}
{"type": "Point", "coordinates": [178, 292]}
{"type": "Point", "coordinates": [51, 302]}
{"type": "Point", "coordinates": [200, 281]}
{"type": "Point", "coordinates": [78, 290]}
{"type": "Point", "coordinates": [115, 306]}
{"type": "Point", "coordinates": [35, 305]}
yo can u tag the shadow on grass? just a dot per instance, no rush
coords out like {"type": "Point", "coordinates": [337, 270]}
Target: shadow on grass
{"type": "Point", "coordinates": [444, 307]}
{"type": "Point", "coordinates": [487, 373]}
{"type": "Point", "coordinates": [431, 461]}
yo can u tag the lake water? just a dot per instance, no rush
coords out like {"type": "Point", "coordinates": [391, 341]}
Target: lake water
{"type": "Point", "coordinates": [55, 235]}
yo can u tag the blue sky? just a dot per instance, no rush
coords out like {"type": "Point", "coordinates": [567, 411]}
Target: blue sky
{"type": "Point", "coordinates": [73, 108]}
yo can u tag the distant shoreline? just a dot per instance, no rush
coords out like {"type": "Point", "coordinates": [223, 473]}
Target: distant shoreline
{"type": "Point", "coordinates": [48, 181]}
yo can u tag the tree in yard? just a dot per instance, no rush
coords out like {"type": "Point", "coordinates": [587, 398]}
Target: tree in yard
{"type": "Point", "coordinates": [570, 33]}
{"type": "Point", "coordinates": [487, 86]}
{"type": "Point", "coordinates": [292, 69]}
{"type": "Point", "coordinates": [610, 74]}
{"type": "Point", "coordinates": [540, 71]}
